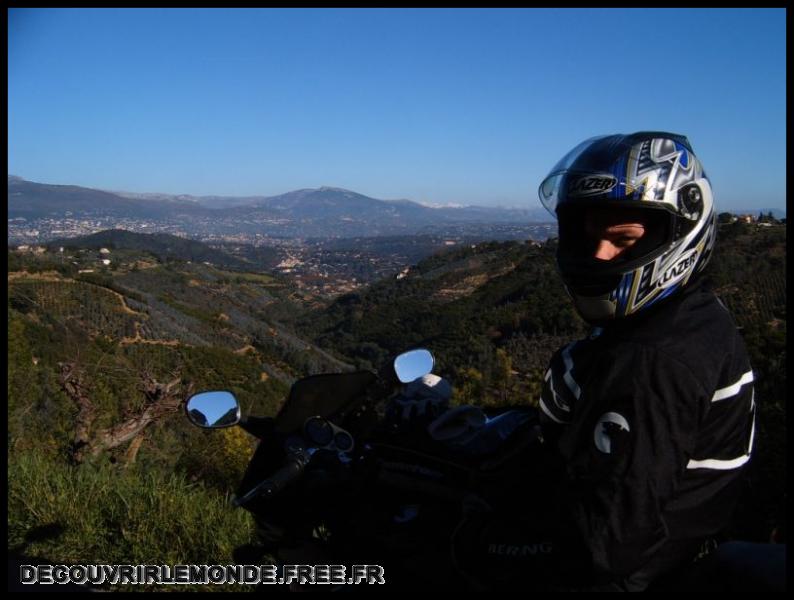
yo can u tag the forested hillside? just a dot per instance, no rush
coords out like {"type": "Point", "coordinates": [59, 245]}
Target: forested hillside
{"type": "Point", "coordinates": [103, 466]}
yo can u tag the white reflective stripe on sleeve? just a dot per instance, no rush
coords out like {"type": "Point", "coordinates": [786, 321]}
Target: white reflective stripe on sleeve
{"type": "Point", "coordinates": [719, 465]}
{"type": "Point", "coordinates": [557, 400]}
{"type": "Point", "coordinates": [752, 428]}
{"type": "Point", "coordinates": [549, 415]}
{"type": "Point", "coordinates": [732, 390]}
{"type": "Point", "coordinates": [726, 465]}
{"type": "Point", "coordinates": [567, 377]}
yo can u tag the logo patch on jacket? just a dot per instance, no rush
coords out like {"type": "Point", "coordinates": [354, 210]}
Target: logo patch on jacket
{"type": "Point", "coordinates": [608, 427]}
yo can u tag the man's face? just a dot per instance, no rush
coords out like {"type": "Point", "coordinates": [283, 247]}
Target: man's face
{"type": "Point", "coordinates": [611, 232]}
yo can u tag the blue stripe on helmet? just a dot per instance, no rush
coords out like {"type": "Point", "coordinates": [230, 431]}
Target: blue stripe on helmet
{"type": "Point", "coordinates": [667, 292]}
{"type": "Point", "coordinates": [620, 174]}
{"type": "Point", "coordinates": [684, 160]}
{"type": "Point", "coordinates": [623, 292]}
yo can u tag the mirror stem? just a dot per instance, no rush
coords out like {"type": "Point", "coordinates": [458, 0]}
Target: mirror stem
{"type": "Point", "coordinates": [259, 427]}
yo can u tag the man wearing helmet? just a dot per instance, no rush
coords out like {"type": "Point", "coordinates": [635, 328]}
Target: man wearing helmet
{"type": "Point", "coordinates": [652, 415]}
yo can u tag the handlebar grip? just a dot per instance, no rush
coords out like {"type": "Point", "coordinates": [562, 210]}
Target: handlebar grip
{"type": "Point", "coordinates": [281, 478]}
{"type": "Point", "coordinates": [292, 470]}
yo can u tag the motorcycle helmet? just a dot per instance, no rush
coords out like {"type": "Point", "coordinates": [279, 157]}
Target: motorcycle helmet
{"type": "Point", "coordinates": [651, 173]}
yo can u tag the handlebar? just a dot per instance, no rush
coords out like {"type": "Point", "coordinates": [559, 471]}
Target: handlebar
{"type": "Point", "coordinates": [295, 464]}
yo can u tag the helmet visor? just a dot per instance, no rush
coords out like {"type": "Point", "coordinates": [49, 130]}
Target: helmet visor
{"type": "Point", "coordinates": [581, 229]}
{"type": "Point", "coordinates": [597, 169]}
{"type": "Point", "coordinates": [588, 157]}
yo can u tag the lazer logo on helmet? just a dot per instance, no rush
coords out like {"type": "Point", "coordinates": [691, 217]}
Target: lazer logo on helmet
{"type": "Point", "coordinates": [679, 269]}
{"type": "Point", "coordinates": [591, 185]}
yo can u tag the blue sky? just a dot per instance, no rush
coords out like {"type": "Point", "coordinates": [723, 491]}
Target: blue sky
{"type": "Point", "coordinates": [467, 106]}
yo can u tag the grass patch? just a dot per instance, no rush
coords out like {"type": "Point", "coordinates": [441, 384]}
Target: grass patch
{"type": "Point", "coordinates": [106, 514]}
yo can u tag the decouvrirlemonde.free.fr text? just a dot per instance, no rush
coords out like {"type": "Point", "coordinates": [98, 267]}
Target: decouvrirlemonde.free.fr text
{"type": "Point", "coordinates": [201, 574]}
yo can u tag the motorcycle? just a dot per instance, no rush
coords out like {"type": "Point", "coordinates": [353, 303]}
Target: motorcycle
{"type": "Point", "coordinates": [377, 469]}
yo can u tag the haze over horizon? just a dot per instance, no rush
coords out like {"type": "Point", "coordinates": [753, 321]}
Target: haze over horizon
{"type": "Point", "coordinates": [440, 107]}
{"type": "Point", "coordinates": [321, 187]}
{"type": "Point", "coordinates": [524, 207]}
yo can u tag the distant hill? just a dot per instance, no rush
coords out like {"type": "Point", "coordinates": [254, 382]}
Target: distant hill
{"type": "Point", "coordinates": [321, 212]}
{"type": "Point", "coordinates": [204, 201]}
{"type": "Point", "coordinates": [162, 245]}
{"type": "Point", "coordinates": [331, 202]}
{"type": "Point", "coordinates": [324, 211]}
{"type": "Point", "coordinates": [324, 201]}
{"type": "Point", "coordinates": [35, 200]}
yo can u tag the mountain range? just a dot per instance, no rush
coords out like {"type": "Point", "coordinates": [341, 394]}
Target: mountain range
{"type": "Point", "coordinates": [325, 211]}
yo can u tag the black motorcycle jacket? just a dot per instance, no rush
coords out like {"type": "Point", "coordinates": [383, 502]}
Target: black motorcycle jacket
{"type": "Point", "coordinates": [652, 417]}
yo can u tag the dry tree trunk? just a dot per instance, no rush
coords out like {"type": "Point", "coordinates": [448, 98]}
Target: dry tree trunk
{"type": "Point", "coordinates": [161, 399]}
{"type": "Point", "coordinates": [73, 383]}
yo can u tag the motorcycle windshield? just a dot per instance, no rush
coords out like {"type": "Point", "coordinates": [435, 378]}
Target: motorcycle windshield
{"type": "Point", "coordinates": [322, 395]}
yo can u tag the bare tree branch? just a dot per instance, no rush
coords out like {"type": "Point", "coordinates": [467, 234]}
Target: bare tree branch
{"type": "Point", "coordinates": [161, 399]}
{"type": "Point", "coordinates": [132, 451]}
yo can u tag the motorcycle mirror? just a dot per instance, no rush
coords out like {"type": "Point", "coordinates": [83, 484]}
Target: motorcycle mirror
{"type": "Point", "coordinates": [213, 409]}
{"type": "Point", "coordinates": [413, 364]}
